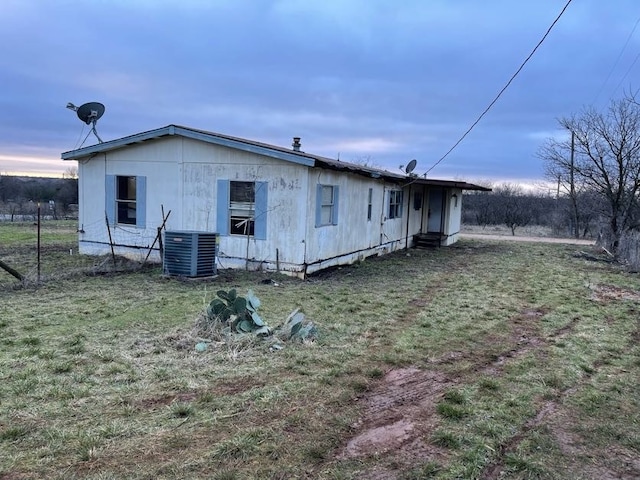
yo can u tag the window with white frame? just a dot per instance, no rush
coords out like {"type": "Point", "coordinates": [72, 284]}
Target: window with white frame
{"type": "Point", "coordinates": [126, 200]}
{"type": "Point", "coordinates": [395, 203]}
{"type": "Point", "coordinates": [242, 203]}
{"type": "Point", "coordinates": [241, 208]}
{"type": "Point", "coordinates": [327, 205]}
{"type": "Point", "coordinates": [370, 204]}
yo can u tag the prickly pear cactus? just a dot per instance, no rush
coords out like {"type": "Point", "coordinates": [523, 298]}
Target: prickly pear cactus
{"type": "Point", "coordinates": [239, 313]}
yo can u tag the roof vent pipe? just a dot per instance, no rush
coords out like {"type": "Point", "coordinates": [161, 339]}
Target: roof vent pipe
{"type": "Point", "coordinates": [296, 144]}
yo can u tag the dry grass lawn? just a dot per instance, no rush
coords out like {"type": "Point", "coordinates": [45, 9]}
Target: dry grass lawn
{"type": "Point", "coordinates": [484, 360]}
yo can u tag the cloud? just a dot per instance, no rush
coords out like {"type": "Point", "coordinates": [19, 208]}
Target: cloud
{"type": "Point", "coordinates": [393, 80]}
{"type": "Point", "coordinates": [33, 166]}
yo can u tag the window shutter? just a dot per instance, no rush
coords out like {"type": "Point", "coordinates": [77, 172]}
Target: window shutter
{"type": "Point", "coordinates": [141, 201]}
{"type": "Point", "coordinates": [110, 198]}
{"type": "Point", "coordinates": [334, 214]}
{"type": "Point", "coordinates": [401, 203]}
{"type": "Point", "coordinates": [260, 222]}
{"type": "Point", "coordinates": [222, 208]}
{"type": "Point", "coordinates": [318, 205]}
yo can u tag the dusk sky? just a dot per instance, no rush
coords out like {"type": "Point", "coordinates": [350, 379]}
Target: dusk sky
{"type": "Point", "coordinates": [374, 81]}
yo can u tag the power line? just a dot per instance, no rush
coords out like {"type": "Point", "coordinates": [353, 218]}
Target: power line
{"type": "Point", "coordinates": [615, 64]}
{"type": "Point", "coordinates": [501, 91]}
{"type": "Point", "coordinates": [626, 74]}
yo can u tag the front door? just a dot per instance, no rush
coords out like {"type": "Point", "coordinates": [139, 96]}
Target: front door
{"type": "Point", "coordinates": [436, 203]}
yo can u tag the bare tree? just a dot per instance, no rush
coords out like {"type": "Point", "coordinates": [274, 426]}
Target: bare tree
{"type": "Point", "coordinates": [559, 162]}
{"type": "Point", "coordinates": [515, 208]}
{"type": "Point", "coordinates": [606, 161]}
{"type": "Point", "coordinates": [478, 208]}
{"type": "Point", "coordinates": [71, 172]}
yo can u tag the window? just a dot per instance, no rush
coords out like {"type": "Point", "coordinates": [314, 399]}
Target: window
{"type": "Point", "coordinates": [395, 203]}
{"type": "Point", "coordinates": [417, 200]}
{"type": "Point", "coordinates": [242, 202]}
{"type": "Point", "coordinates": [125, 199]}
{"type": "Point", "coordinates": [370, 204]}
{"type": "Point", "coordinates": [241, 208]}
{"type": "Point", "coordinates": [326, 205]}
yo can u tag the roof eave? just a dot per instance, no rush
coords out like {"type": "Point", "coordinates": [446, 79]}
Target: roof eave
{"type": "Point", "coordinates": [187, 133]}
{"type": "Point", "coordinates": [118, 143]}
{"type": "Point", "coordinates": [450, 184]}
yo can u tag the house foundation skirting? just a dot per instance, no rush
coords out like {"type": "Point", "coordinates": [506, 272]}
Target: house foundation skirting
{"type": "Point", "coordinates": [296, 270]}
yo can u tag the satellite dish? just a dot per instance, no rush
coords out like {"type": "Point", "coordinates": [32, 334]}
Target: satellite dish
{"type": "Point", "coordinates": [89, 113]}
{"type": "Point", "coordinates": [411, 166]}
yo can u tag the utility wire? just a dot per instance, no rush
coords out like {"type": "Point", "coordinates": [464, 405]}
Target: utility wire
{"type": "Point", "coordinates": [85, 139]}
{"type": "Point", "coordinates": [626, 74]}
{"type": "Point", "coordinates": [75, 146]}
{"type": "Point", "coordinates": [615, 64]}
{"type": "Point", "coordinates": [501, 91]}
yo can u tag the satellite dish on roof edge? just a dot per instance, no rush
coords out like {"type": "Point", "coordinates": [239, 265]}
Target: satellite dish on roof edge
{"type": "Point", "coordinates": [89, 113]}
{"type": "Point", "coordinates": [411, 166]}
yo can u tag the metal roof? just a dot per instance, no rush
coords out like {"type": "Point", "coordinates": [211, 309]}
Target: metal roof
{"type": "Point", "coordinates": [281, 153]}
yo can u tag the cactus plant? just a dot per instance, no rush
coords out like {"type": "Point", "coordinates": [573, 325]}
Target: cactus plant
{"type": "Point", "coordinates": [239, 313]}
{"type": "Point", "coordinates": [297, 328]}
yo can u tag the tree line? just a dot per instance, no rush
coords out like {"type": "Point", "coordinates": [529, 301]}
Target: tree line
{"type": "Point", "coordinates": [513, 206]}
{"type": "Point", "coordinates": [20, 196]}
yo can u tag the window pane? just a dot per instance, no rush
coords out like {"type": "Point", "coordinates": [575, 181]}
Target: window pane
{"type": "Point", "coordinates": [126, 200]}
{"type": "Point", "coordinates": [327, 195]}
{"type": "Point", "coordinates": [417, 200]}
{"type": "Point", "coordinates": [241, 226]}
{"type": "Point", "coordinates": [126, 188]}
{"type": "Point", "coordinates": [326, 215]}
{"type": "Point", "coordinates": [241, 207]}
{"type": "Point", "coordinates": [395, 202]}
{"type": "Point", "coordinates": [126, 212]}
{"type": "Point", "coordinates": [242, 192]}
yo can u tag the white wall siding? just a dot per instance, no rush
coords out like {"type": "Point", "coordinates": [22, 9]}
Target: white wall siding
{"type": "Point", "coordinates": [205, 164]}
{"type": "Point", "coordinates": [156, 162]}
{"type": "Point", "coordinates": [355, 237]}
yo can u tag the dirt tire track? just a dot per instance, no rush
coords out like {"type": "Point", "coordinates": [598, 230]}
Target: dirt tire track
{"type": "Point", "coordinates": [400, 412]}
{"type": "Point", "coordinates": [550, 409]}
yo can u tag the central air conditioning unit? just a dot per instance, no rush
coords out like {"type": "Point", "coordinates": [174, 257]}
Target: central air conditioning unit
{"type": "Point", "coordinates": [189, 254]}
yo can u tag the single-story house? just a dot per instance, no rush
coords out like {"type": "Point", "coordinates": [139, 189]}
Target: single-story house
{"type": "Point", "coordinates": [273, 208]}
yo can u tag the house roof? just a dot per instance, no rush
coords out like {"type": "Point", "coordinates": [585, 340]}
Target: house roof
{"type": "Point", "coordinates": [294, 156]}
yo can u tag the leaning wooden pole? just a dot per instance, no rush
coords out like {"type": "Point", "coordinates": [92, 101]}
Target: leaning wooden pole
{"type": "Point", "coordinates": [113, 253]}
{"type": "Point", "coordinates": [39, 263]}
{"type": "Point", "coordinates": [11, 271]}
{"type": "Point", "coordinates": [158, 236]}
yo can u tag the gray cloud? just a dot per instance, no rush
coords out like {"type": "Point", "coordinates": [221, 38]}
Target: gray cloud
{"type": "Point", "coordinates": [387, 80]}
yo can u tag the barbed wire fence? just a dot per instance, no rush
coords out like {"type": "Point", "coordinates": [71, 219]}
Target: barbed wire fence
{"type": "Point", "coordinates": [31, 263]}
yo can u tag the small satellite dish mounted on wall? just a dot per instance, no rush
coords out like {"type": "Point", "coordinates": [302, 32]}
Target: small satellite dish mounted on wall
{"type": "Point", "coordinates": [89, 113]}
{"type": "Point", "coordinates": [411, 166]}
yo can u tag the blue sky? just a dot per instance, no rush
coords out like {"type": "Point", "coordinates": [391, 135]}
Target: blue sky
{"type": "Point", "coordinates": [374, 81]}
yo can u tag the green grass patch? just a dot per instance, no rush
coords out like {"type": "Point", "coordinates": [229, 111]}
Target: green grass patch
{"type": "Point", "coordinates": [99, 376]}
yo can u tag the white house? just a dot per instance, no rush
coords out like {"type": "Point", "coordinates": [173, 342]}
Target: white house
{"type": "Point", "coordinates": [274, 208]}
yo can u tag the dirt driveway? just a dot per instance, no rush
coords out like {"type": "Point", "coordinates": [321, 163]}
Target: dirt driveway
{"type": "Point", "coordinates": [511, 238]}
